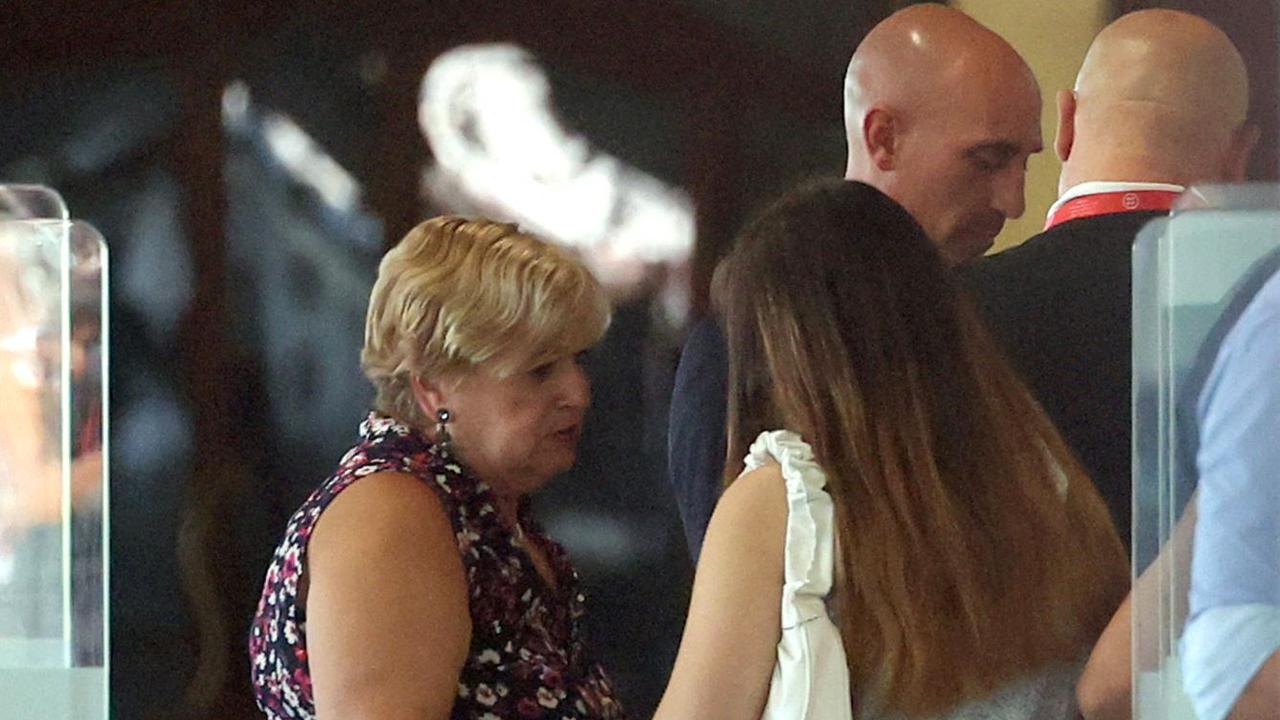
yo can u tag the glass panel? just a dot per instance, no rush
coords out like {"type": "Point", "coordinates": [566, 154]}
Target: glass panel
{"type": "Point", "coordinates": [53, 653]}
{"type": "Point", "coordinates": [1193, 272]}
{"type": "Point", "coordinates": [30, 202]}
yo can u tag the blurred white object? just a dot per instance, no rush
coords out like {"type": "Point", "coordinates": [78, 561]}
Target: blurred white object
{"type": "Point", "coordinates": [500, 150]}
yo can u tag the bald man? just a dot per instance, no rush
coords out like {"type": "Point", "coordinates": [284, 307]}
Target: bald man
{"type": "Point", "coordinates": [941, 114]}
{"type": "Point", "coordinates": [1159, 104]}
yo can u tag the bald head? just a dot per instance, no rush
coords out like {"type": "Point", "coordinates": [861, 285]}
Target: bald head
{"type": "Point", "coordinates": [1162, 96]}
{"type": "Point", "coordinates": [941, 114]}
{"type": "Point", "coordinates": [915, 58]}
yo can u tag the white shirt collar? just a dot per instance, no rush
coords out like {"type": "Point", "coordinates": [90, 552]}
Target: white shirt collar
{"type": "Point", "coordinates": [1097, 187]}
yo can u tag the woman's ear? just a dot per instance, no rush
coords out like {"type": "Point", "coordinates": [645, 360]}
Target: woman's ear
{"type": "Point", "coordinates": [429, 396]}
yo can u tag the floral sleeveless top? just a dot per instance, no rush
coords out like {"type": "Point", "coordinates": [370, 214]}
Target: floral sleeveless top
{"type": "Point", "coordinates": [528, 658]}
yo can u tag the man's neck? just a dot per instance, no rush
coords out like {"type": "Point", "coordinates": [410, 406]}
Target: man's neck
{"type": "Point", "coordinates": [1135, 167]}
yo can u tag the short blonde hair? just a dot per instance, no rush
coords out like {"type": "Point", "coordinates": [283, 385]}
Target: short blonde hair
{"type": "Point", "coordinates": [454, 293]}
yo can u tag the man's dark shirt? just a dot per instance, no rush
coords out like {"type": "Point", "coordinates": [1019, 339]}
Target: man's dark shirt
{"type": "Point", "coordinates": [696, 432]}
{"type": "Point", "coordinates": [1061, 305]}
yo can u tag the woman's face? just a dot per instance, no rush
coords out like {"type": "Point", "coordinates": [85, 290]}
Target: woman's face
{"type": "Point", "coordinates": [517, 432]}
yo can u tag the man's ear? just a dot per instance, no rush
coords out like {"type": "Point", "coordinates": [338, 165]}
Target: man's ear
{"type": "Point", "coordinates": [1066, 125]}
{"type": "Point", "coordinates": [1242, 144]}
{"type": "Point", "coordinates": [880, 133]}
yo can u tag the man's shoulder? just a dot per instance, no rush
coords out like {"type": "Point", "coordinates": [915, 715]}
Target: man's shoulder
{"type": "Point", "coordinates": [705, 346]}
{"type": "Point", "coordinates": [702, 372]}
{"type": "Point", "coordinates": [1019, 265]}
{"type": "Point", "coordinates": [1088, 245]}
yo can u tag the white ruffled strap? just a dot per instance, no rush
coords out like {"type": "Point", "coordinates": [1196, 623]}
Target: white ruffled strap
{"type": "Point", "coordinates": [810, 680]}
{"type": "Point", "coordinates": [810, 541]}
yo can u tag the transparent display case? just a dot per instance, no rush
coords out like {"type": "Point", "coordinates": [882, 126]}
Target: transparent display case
{"type": "Point", "coordinates": [53, 461]}
{"type": "Point", "coordinates": [31, 202]}
{"type": "Point", "coordinates": [1193, 273]}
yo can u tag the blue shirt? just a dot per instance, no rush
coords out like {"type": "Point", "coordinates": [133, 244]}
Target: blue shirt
{"type": "Point", "coordinates": [1234, 622]}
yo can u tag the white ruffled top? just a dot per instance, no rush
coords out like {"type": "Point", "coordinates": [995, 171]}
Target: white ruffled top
{"type": "Point", "coordinates": [811, 678]}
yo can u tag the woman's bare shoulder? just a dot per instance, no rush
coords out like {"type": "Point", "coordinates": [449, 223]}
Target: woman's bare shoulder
{"type": "Point", "coordinates": [385, 513]}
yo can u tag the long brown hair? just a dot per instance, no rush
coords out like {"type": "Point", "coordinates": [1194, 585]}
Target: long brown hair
{"type": "Point", "coordinates": [972, 548]}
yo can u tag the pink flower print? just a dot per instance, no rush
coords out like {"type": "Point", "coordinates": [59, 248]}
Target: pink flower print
{"type": "Point", "coordinates": [552, 678]}
{"type": "Point", "coordinates": [547, 699]}
{"type": "Point", "coordinates": [467, 538]}
{"type": "Point", "coordinates": [528, 708]}
{"type": "Point", "coordinates": [303, 681]}
{"type": "Point", "coordinates": [485, 695]}
{"type": "Point", "coordinates": [291, 562]}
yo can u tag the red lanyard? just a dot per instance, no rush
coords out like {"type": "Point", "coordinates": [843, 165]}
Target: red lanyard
{"type": "Point", "coordinates": [1109, 203]}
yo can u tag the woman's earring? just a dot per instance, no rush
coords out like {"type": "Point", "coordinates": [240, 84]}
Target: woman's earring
{"type": "Point", "coordinates": [444, 441]}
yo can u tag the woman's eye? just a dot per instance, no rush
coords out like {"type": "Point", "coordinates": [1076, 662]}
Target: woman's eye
{"type": "Point", "coordinates": [543, 371]}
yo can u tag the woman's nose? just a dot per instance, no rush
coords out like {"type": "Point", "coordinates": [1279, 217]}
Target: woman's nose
{"type": "Point", "coordinates": [575, 392]}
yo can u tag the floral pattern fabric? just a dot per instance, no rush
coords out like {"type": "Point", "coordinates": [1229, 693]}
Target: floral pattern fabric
{"type": "Point", "coordinates": [528, 658]}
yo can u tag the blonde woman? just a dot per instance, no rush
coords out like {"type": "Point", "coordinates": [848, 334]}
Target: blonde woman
{"type": "Point", "coordinates": [907, 536]}
{"type": "Point", "coordinates": [413, 583]}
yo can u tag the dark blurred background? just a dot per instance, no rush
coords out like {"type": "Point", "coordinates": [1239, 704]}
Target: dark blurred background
{"type": "Point", "coordinates": [249, 162]}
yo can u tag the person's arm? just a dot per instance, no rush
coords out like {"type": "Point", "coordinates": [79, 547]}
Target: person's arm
{"type": "Point", "coordinates": [729, 648]}
{"type": "Point", "coordinates": [388, 626]}
{"type": "Point", "coordinates": [695, 430]}
{"type": "Point", "coordinates": [1261, 697]}
{"type": "Point", "coordinates": [1105, 689]}
{"type": "Point", "coordinates": [1235, 575]}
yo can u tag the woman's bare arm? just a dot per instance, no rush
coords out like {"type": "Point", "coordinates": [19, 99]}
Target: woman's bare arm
{"type": "Point", "coordinates": [1105, 690]}
{"type": "Point", "coordinates": [729, 648]}
{"type": "Point", "coordinates": [388, 626]}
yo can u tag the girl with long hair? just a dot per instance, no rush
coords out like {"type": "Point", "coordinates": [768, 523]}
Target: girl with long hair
{"type": "Point", "coordinates": [907, 535]}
